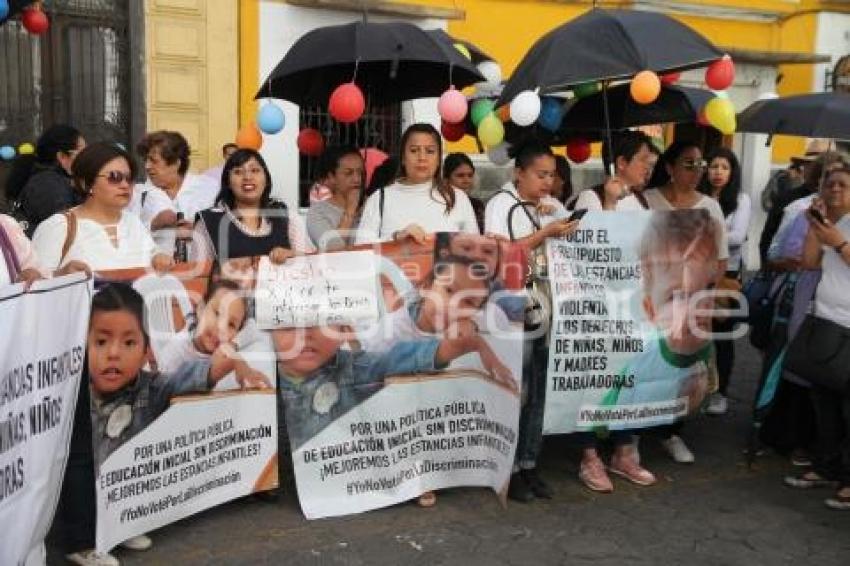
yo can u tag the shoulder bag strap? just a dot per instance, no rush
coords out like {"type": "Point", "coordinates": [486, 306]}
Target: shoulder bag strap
{"type": "Point", "coordinates": [70, 234]}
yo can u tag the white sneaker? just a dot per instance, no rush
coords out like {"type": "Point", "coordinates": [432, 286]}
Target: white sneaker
{"type": "Point", "coordinates": [717, 405]}
{"type": "Point", "coordinates": [141, 542]}
{"type": "Point", "coordinates": [678, 450]}
{"type": "Point", "coordinates": [91, 557]}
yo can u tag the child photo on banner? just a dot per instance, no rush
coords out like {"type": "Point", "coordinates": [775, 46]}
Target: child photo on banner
{"type": "Point", "coordinates": [633, 300]}
{"type": "Point", "coordinates": [417, 392]}
{"type": "Point", "coordinates": [182, 400]}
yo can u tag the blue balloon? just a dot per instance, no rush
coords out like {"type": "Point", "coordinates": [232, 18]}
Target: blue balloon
{"type": "Point", "coordinates": [551, 114]}
{"type": "Point", "coordinates": [4, 9]}
{"type": "Point", "coordinates": [270, 119]}
{"type": "Point", "coordinates": [7, 152]}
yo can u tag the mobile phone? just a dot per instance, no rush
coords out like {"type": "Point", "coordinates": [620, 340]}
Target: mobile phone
{"type": "Point", "coordinates": [817, 215]}
{"type": "Point", "coordinates": [577, 214]}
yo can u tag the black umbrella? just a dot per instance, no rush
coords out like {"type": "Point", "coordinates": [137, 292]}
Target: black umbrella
{"type": "Point", "coordinates": [391, 62]}
{"type": "Point", "coordinates": [820, 115]}
{"type": "Point", "coordinates": [603, 45]}
{"type": "Point", "coordinates": [478, 56]}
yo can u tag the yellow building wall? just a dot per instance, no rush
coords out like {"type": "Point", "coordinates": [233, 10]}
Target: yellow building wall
{"type": "Point", "coordinates": [192, 68]}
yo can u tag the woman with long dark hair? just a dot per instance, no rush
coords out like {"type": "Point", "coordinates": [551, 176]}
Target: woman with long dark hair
{"type": "Point", "coordinates": [459, 172]}
{"type": "Point", "coordinates": [41, 182]}
{"type": "Point", "coordinates": [723, 183]}
{"type": "Point", "coordinates": [246, 222]}
{"type": "Point", "coordinates": [332, 223]}
{"type": "Point", "coordinates": [420, 202]}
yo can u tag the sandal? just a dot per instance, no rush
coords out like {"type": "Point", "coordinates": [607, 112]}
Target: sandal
{"type": "Point", "coordinates": [808, 480]}
{"type": "Point", "coordinates": [427, 499]}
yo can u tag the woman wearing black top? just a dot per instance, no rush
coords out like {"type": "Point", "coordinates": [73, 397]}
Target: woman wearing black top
{"type": "Point", "coordinates": [246, 222]}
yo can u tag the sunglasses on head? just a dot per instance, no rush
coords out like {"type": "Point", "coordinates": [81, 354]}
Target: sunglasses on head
{"type": "Point", "coordinates": [116, 177]}
{"type": "Point", "coordinates": [694, 164]}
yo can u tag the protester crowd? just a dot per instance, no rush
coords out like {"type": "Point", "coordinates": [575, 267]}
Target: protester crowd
{"type": "Point", "coordinates": [84, 211]}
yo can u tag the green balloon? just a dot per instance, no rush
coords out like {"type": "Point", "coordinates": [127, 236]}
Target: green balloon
{"type": "Point", "coordinates": [480, 109]}
{"type": "Point", "coordinates": [585, 89]}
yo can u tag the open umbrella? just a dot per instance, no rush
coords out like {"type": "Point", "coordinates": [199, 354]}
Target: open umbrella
{"type": "Point", "coordinates": [478, 56]}
{"type": "Point", "coordinates": [821, 115]}
{"type": "Point", "coordinates": [390, 62]}
{"type": "Point", "coordinates": [603, 45]}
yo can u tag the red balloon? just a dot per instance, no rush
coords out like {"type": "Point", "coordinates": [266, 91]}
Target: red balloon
{"type": "Point", "coordinates": [670, 78]}
{"type": "Point", "coordinates": [720, 74]}
{"type": "Point", "coordinates": [34, 20]}
{"type": "Point", "coordinates": [310, 142]}
{"type": "Point", "coordinates": [347, 103]}
{"type": "Point", "coordinates": [578, 150]}
{"type": "Point", "coordinates": [453, 132]}
{"type": "Point", "coordinates": [372, 159]}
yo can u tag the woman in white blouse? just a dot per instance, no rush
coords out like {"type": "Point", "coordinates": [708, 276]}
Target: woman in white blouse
{"type": "Point", "coordinates": [723, 183]}
{"type": "Point", "coordinates": [420, 202]}
{"type": "Point", "coordinates": [99, 234]}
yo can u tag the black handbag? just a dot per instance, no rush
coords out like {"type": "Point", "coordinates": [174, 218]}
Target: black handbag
{"type": "Point", "coordinates": [762, 306]}
{"type": "Point", "coordinates": [820, 354]}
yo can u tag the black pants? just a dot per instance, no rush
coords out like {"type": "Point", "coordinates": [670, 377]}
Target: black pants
{"type": "Point", "coordinates": [76, 514]}
{"type": "Point", "coordinates": [724, 354]}
{"type": "Point", "coordinates": [790, 422]}
{"type": "Point", "coordinates": [832, 453]}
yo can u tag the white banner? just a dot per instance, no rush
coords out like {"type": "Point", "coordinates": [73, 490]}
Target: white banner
{"type": "Point", "coordinates": [335, 288]}
{"type": "Point", "coordinates": [42, 340]}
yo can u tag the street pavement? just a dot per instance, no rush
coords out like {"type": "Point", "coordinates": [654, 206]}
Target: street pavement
{"type": "Point", "coordinates": [717, 511]}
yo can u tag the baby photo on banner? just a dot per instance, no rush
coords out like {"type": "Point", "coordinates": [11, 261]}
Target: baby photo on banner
{"type": "Point", "coordinates": [183, 402]}
{"type": "Point", "coordinates": [40, 369]}
{"type": "Point", "coordinates": [632, 303]}
{"type": "Point", "coordinates": [399, 370]}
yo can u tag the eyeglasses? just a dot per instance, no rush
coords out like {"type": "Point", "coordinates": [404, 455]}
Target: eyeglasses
{"type": "Point", "coordinates": [117, 177]}
{"type": "Point", "coordinates": [694, 164]}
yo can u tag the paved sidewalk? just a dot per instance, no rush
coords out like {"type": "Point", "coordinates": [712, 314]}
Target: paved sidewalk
{"type": "Point", "coordinates": [714, 512]}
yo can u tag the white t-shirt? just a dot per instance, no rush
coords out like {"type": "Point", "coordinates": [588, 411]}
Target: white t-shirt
{"type": "Point", "coordinates": [737, 227]}
{"type": "Point", "coordinates": [831, 299]}
{"type": "Point", "coordinates": [656, 200]}
{"type": "Point", "coordinates": [414, 204]}
{"type": "Point", "coordinates": [499, 208]}
{"type": "Point", "coordinates": [197, 193]}
{"type": "Point", "coordinates": [135, 247]}
{"type": "Point", "coordinates": [588, 199]}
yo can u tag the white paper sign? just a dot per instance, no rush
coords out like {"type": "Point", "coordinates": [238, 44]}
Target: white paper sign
{"type": "Point", "coordinates": [40, 368]}
{"type": "Point", "coordinates": [315, 290]}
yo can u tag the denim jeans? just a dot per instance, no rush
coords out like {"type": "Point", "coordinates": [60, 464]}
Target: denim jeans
{"type": "Point", "coordinates": [534, 367]}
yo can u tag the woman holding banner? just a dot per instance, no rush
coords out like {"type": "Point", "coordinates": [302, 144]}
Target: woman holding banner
{"type": "Point", "coordinates": [332, 223]}
{"type": "Point", "coordinates": [420, 202]}
{"type": "Point", "coordinates": [97, 235]}
{"type": "Point", "coordinates": [18, 262]}
{"type": "Point", "coordinates": [246, 222]}
{"type": "Point", "coordinates": [676, 182]}
{"type": "Point", "coordinates": [524, 212]}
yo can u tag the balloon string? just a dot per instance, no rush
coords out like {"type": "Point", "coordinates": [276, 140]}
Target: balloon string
{"type": "Point", "coordinates": [607, 126]}
{"type": "Point", "coordinates": [356, 67]}
{"type": "Point", "coordinates": [451, 68]}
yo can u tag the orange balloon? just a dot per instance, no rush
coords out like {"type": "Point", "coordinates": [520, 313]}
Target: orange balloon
{"type": "Point", "coordinates": [249, 136]}
{"type": "Point", "coordinates": [504, 112]}
{"type": "Point", "coordinates": [645, 87]}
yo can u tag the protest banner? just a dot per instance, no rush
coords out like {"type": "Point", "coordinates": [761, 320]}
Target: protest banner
{"type": "Point", "coordinates": [195, 430]}
{"type": "Point", "coordinates": [426, 397]}
{"type": "Point", "coordinates": [39, 381]}
{"type": "Point", "coordinates": [630, 340]}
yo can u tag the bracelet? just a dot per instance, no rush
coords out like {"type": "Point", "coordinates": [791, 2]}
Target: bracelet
{"type": "Point", "coordinates": [840, 247]}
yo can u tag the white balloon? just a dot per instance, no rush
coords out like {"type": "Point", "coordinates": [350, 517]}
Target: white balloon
{"type": "Point", "coordinates": [492, 72]}
{"type": "Point", "coordinates": [525, 108]}
{"type": "Point", "coordinates": [498, 154]}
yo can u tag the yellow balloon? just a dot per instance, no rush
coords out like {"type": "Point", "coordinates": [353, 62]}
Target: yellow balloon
{"type": "Point", "coordinates": [463, 50]}
{"type": "Point", "coordinates": [491, 131]}
{"type": "Point", "coordinates": [26, 148]}
{"type": "Point", "coordinates": [720, 113]}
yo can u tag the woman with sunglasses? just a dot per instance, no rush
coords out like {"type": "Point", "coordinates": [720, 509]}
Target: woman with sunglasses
{"type": "Point", "coordinates": [676, 180]}
{"type": "Point", "coordinates": [99, 234]}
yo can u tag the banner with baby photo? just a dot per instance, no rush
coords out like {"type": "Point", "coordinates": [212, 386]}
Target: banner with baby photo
{"type": "Point", "coordinates": [39, 381]}
{"type": "Point", "coordinates": [402, 387]}
{"type": "Point", "coordinates": [184, 416]}
{"type": "Point", "coordinates": [630, 338]}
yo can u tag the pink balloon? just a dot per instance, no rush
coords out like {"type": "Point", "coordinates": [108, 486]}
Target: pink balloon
{"type": "Point", "coordinates": [372, 159]}
{"type": "Point", "coordinates": [452, 106]}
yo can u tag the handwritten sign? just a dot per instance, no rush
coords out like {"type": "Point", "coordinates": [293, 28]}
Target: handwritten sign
{"type": "Point", "coordinates": [318, 290]}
